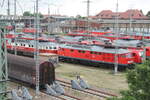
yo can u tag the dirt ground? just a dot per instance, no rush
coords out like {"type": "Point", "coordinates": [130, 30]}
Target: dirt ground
{"type": "Point", "coordinates": [96, 77]}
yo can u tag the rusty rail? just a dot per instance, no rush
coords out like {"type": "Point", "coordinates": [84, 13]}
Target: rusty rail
{"type": "Point", "coordinates": [94, 90]}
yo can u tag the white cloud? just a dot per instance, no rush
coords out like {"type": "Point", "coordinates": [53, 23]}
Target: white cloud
{"type": "Point", "coordinates": [74, 7]}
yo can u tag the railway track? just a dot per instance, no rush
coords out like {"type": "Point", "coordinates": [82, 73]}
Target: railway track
{"type": "Point", "coordinates": [63, 96]}
{"type": "Point", "coordinates": [60, 97]}
{"type": "Point", "coordinates": [90, 91]}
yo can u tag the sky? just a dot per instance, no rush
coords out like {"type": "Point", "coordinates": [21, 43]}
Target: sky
{"type": "Point", "coordinates": [75, 7]}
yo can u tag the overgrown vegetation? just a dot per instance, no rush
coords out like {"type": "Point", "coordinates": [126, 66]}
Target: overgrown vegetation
{"type": "Point", "coordinates": [27, 13]}
{"type": "Point", "coordinates": [139, 83]}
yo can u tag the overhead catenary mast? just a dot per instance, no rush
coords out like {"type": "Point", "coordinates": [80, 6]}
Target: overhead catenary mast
{"type": "Point", "coordinates": [8, 10]}
{"type": "Point", "coordinates": [37, 49]}
{"type": "Point", "coordinates": [116, 47]}
{"type": "Point", "coordinates": [88, 14]}
{"type": "Point", "coordinates": [48, 19]}
{"type": "Point", "coordinates": [15, 9]}
{"type": "Point", "coordinates": [130, 22]}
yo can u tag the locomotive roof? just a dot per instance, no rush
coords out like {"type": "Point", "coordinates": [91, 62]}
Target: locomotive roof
{"type": "Point", "coordinates": [32, 42]}
{"type": "Point", "coordinates": [133, 43]}
{"type": "Point", "coordinates": [95, 48]}
{"type": "Point", "coordinates": [140, 34]}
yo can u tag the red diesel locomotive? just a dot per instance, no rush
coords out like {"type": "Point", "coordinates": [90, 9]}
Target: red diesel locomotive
{"type": "Point", "coordinates": [95, 54]}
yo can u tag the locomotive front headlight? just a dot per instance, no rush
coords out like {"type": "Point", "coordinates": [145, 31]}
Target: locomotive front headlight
{"type": "Point", "coordinates": [130, 61]}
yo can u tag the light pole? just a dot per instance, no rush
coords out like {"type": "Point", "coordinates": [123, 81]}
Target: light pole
{"type": "Point", "coordinates": [116, 47]}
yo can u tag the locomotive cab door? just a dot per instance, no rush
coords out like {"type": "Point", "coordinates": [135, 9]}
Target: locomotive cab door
{"type": "Point", "coordinates": [47, 73]}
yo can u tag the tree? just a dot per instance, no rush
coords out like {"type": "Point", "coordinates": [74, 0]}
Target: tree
{"type": "Point", "coordinates": [78, 16]}
{"type": "Point", "coordinates": [39, 14]}
{"type": "Point", "coordinates": [148, 14]}
{"type": "Point", "coordinates": [139, 83]}
{"type": "Point", "coordinates": [27, 13]}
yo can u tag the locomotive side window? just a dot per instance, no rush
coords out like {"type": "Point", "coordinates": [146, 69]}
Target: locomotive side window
{"type": "Point", "coordinates": [99, 53]}
{"type": "Point", "coordinates": [96, 53]}
{"type": "Point", "coordinates": [83, 51]}
{"type": "Point", "coordinates": [92, 52]}
{"type": "Point", "coordinates": [54, 47]}
{"type": "Point", "coordinates": [46, 47]}
{"type": "Point", "coordinates": [32, 46]}
{"type": "Point", "coordinates": [71, 50]}
{"type": "Point", "coordinates": [50, 47]}
{"type": "Point", "coordinates": [123, 56]}
{"type": "Point", "coordinates": [24, 45]}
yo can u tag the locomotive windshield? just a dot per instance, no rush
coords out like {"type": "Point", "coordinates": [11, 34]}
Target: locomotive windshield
{"type": "Point", "coordinates": [129, 55]}
{"type": "Point", "coordinates": [141, 54]}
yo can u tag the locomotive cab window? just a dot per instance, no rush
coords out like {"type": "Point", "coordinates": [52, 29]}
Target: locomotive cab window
{"type": "Point", "coordinates": [147, 49]}
{"type": "Point", "coordinates": [134, 54]}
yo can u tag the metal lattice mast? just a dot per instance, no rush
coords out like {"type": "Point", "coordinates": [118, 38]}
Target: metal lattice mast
{"type": "Point", "coordinates": [116, 47]}
{"type": "Point", "coordinates": [37, 49]}
{"type": "Point", "coordinates": [3, 66]}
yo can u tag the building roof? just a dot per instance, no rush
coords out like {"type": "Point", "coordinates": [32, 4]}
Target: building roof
{"type": "Point", "coordinates": [133, 13]}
